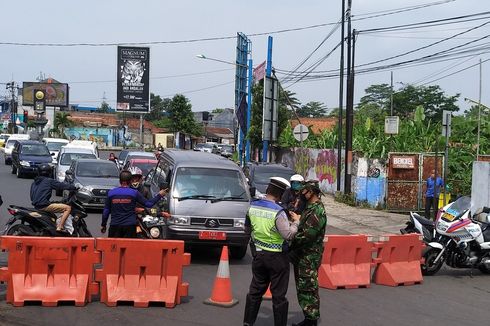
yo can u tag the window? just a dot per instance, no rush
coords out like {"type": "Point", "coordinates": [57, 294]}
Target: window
{"type": "Point", "coordinates": [35, 150]}
{"type": "Point", "coordinates": [67, 158]}
{"type": "Point", "coordinates": [217, 183]}
{"type": "Point", "coordinates": [97, 170]}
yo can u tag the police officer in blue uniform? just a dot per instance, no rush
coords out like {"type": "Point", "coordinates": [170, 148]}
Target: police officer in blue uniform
{"type": "Point", "coordinates": [269, 227]}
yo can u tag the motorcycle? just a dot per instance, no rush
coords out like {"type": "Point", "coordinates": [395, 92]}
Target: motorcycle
{"type": "Point", "coordinates": [151, 223]}
{"type": "Point", "coordinates": [421, 225]}
{"type": "Point", "coordinates": [464, 240]}
{"type": "Point", "coordinates": [33, 222]}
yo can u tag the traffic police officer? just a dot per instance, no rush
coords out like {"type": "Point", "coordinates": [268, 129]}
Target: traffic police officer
{"type": "Point", "coordinates": [269, 227]}
{"type": "Point", "coordinates": [306, 251]}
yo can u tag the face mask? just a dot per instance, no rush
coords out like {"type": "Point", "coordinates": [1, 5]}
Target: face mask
{"type": "Point", "coordinates": [295, 186]}
{"type": "Point", "coordinates": [303, 197]}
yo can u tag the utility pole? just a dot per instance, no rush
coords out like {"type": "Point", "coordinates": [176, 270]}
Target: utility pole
{"type": "Point", "coordinates": [349, 108]}
{"type": "Point", "coordinates": [13, 105]}
{"type": "Point", "coordinates": [341, 99]}
{"type": "Point", "coordinates": [479, 117]}
{"type": "Point", "coordinates": [391, 95]}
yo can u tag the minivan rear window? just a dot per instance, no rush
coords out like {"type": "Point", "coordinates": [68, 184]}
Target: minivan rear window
{"type": "Point", "coordinates": [68, 157]}
{"type": "Point", "coordinates": [208, 182]}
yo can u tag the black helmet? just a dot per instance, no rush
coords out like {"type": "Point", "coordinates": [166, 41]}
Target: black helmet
{"type": "Point", "coordinates": [44, 170]}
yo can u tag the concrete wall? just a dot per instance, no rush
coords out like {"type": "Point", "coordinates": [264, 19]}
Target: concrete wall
{"type": "Point", "coordinates": [103, 136]}
{"type": "Point", "coordinates": [315, 164]}
{"type": "Point", "coordinates": [369, 181]}
{"type": "Point", "coordinates": [480, 185]}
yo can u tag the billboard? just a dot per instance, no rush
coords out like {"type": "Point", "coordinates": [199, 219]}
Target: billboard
{"type": "Point", "coordinates": [56, 93]}
{"type": "Point", "coordinates": [133, 79]}
{"type": "Point", "coordinates": [270, 109]}
{"type": "Point", "coordinates": [241, 74]}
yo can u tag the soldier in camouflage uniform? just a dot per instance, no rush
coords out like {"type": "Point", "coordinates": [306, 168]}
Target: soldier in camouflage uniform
{"type": "Point", "coordinates": [306, 252]}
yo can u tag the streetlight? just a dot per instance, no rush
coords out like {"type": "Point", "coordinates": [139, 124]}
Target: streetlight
{"type": "Point", "coordinates": [479, 123]}
{"type": "Point", "coordinates": [202, 56]}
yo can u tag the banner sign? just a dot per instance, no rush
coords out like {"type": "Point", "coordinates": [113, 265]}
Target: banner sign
{"type": "Point", "coordinates": [56, 93]}
{"type": "Point", "coordinates": [133, 79]}
{"type": "Point", "coordinates": [259, 72]}
{"type": "Point", "coordinates": [270, 109]}
{"type": "Point", "coordinates": [403, 162]}
{"type": "Point", "coordinates": [241, 113]}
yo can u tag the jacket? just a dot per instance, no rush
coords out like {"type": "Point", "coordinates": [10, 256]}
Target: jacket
{"type": "Point", "coordinates": [42, 188]}
{"type": "Point", "coordinates": [121, 203]}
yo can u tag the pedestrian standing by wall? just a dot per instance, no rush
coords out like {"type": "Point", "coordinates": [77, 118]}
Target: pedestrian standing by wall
{"type": "Point", "coordinates": [306, 252]}
{"type": "Point", "coordinates": [269, 227]}
{"type": "Point", "coordinates": [434, 184]}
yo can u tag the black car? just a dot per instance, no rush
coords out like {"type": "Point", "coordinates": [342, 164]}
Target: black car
{"type": "Point", "coordinates": [94, 178]}
{"type": "Point", "coordinates": [258, 175]}
{"type": "Point", "coordinates": [27, 155]}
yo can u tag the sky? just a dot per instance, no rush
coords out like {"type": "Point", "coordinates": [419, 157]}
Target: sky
{"type": "Point", "coordinates": [91, 70]}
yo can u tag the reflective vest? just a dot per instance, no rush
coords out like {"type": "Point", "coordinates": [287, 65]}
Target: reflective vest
{"type": "Point", "coordinates": [262, 215]}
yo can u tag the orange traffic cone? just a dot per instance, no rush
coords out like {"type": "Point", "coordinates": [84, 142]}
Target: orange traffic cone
{"type": "Point", "coordinates": [221, 295]}
{"type": "Point", "coordinates": [268, 294]}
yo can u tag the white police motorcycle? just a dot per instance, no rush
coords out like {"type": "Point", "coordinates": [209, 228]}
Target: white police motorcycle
{"type": "Point", "coordinates": [464, 240]}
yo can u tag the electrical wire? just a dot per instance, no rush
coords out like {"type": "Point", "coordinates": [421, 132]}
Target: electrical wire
{"type": "Point", "coordinates": [336, 27]}
{"type": "Point", "coordinates": [153, 78]}
{"type": "Point", "coordinates": [454, 73]}
{"type": "Point", "coordinates": [425, 46]}
{"type": "Point", "coordinates": [445, 69]}
{"type": "Point", "coordinates": [429, 23]}
{"type": "Point", "coordinates": [406, 8]}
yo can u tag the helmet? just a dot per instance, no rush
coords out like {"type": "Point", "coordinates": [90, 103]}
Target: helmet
{"type": "Point", "coordinates": [312, 185]}
{"type": "Point", "coordinates": [279, 182]}
{"type": "Point", "coordinates": [135, 173]}
{"type": "Point", "coordinates": [44, 170]}
{"type": "Point", "coordinates": [297, 177]}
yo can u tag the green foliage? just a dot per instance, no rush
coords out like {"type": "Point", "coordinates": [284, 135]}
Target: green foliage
{"type": "Point", "coordinates": [158, 108]}
{"type": "Point", "coordinates": [61, 121]}
{"type": "Point", "coordinates": [312, 109]}
{"type": "Point", "coordinates": [217, 111]}
{"type": "Point", "coordinates": [406, 100]}
{"type": "Point", "coordinates": [103, 108]}
{"type": "Point", "coordinates": [181, 116]}
{"type": "Point", "coordinates": [345, 198]}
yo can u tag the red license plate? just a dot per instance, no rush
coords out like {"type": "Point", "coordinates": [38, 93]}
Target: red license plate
{"type": "Point", "coordinates": [212, 235]}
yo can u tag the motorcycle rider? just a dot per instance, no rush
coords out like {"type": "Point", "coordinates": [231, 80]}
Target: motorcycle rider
{"type": "Point", "coordinates": [41, 191]}
{"type": "Point", "coordinates": [291, 200]}
{"type": "Point", "coordinates": [137, 181]}
{"type": "Point", "coordinates": [121, 204]}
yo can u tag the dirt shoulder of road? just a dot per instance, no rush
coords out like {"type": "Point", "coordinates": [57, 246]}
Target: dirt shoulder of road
{"type": "Point", "coordinates": [357, 220]}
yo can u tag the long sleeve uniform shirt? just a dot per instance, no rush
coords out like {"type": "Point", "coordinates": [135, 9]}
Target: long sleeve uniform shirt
{"type": "Point", "coordinates": [121, 203]}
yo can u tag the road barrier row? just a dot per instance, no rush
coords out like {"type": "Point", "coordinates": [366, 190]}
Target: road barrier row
{"type": "Point", "coordinates": [349, 261]}
{"type": "Point", "coordinates": [54, 270]}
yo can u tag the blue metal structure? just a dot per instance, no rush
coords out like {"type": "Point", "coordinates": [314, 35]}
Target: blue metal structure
{"type": "Point", "coordinates": [242, 51]}
{"type": "Point", "coordinates": [268, 73]}
{"type": "Point", "coordinates": [249, 107]}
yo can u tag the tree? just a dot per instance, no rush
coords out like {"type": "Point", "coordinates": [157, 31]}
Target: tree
{"type": "Point", "coordinates": [158, 108]}
{"type": "Point", "coordinates": [312, 109]}
{"type": "Point", "coordinates": [181, 116]}
{"type": "Point", "coordinates": [103, 108]}
{"type": "Point", "coordinates": [407, 99]}
{"type": "Point", "coordinates": [62, 121]}
{"type": "Point", "coordinates": [217, 111]}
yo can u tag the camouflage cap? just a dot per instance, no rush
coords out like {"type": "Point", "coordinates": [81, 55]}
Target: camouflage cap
{"type": "Point", "coordinates": [312, 185]}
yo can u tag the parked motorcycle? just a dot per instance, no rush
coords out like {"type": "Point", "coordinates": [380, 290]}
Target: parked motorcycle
{"type": "Point", "coordinates": [151, 223]}
{"type": "Point", "coordinates": [33, 222]}
{"type": "Point", "coordinates": [464, 240]}
{"type": "Point", "coordinates": [421, 225]}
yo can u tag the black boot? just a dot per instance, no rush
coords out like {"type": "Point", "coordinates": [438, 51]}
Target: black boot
{"type": "Point", "coordinates": [307, 322]}
{"type": "Point", "coordinates": [251, 310]}
{"type": "Point", "coordinates": [281, 313]}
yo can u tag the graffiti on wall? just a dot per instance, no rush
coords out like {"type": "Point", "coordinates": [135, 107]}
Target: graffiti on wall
{"type": "Point", "coordinates": [102, 136]}
{"type": "Point", "coordinates": [326, 166]}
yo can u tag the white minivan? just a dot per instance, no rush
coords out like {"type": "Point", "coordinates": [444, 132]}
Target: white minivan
{"type": "Point", "coordinates": [54, 145]}
{"type": "Point", "coordinates": [66, 156]}
{"type": "Point", "coordinates": [9, 146]}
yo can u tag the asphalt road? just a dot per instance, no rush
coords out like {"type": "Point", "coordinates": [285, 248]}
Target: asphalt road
{"type": "Point", "coordinates": [450, 298]}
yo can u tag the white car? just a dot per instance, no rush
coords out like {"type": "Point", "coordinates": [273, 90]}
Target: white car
{"type": "Point", "coordinates": [65, 157]}
{"type": "Point", "coordinates": [9, 146]}
{"type": "Point", "coordinates": [54, 145]}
